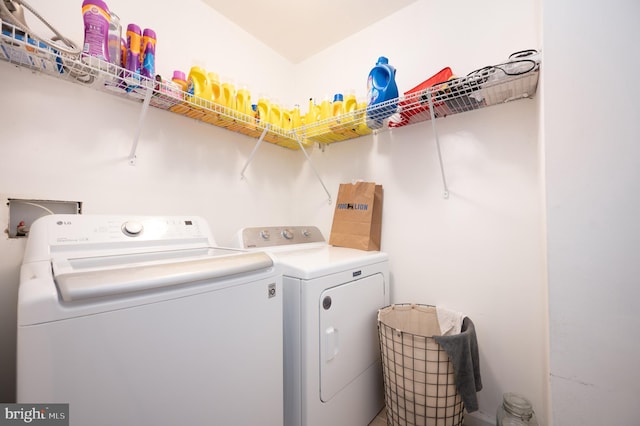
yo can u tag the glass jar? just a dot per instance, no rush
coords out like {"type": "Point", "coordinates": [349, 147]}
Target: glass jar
{"type": "Point", "coordinates": [516, 410]}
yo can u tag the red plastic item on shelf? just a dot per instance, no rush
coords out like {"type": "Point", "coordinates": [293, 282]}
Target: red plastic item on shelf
{"type": "Point", "coordinates": [412, 104]}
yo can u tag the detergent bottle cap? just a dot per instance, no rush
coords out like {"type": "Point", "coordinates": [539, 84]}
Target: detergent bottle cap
{"type": "Point", "coordinates": [148, 32]}
{"type": "Point", "coordinates": [98, 3]}
{"type": "Point", "coordinates": [382, 60]}
{"type": "Point", "coordinates": [338, 97]}
{"type": "Point", "coordinates": [134, 28]}
{"type": "Point", "coordinates": [179, 75]}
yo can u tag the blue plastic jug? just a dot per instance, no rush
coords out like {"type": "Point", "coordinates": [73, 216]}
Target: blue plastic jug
{"type": "Point", "coordinates": [381, 87]}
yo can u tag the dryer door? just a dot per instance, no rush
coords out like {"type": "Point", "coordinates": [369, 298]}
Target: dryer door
{"type": "Point", "coordinates": [348, 332]}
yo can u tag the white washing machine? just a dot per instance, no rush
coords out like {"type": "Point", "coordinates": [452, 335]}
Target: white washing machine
{"type": "Point", "coordinates": [332, 295]}
{"type": "Point", "coordinates": [142, 321]}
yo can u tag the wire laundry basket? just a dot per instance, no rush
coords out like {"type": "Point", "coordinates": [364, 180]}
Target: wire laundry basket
{"type": "Point", "coordinates": [419, 379]}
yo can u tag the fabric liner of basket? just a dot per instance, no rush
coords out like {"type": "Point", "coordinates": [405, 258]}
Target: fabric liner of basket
{"type": "Point", "coordinates": [419, 378]}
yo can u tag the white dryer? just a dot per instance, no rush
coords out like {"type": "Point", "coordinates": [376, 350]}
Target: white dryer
{"type": "Point", "coordinates": [332, 364]}
{"type": "Point", "coordinates": [142, 321]}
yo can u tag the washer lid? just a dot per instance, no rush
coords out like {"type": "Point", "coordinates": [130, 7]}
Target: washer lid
{"type": "Point", "coordinates": [90, 277]}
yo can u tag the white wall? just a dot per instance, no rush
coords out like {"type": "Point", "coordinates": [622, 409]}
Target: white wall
{"type": "Point", "coordinates": [593, 205]}
{"type": "Point", "coordinates": [480, 252]}
{"type": "Point", "coordinates": [66, 142]}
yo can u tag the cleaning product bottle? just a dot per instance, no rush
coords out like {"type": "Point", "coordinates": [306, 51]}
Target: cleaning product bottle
{"type": "Point", "coordinates": [216, 88]}
{"type": "Point", "coordinates": [324, 119]}
{"type": "Point", "coordinates": [275, 114]}
{"type": "Point", "coordinates": [381, 87]}
{"type": "Point", "coordinates": [218, 116]}
{"type": "Point", "coordinates": [95, 15]}
{"type": "Point", "coordinates": [360, 124]}
{"type": "Point", "coordinates": [115, 35]}
{"type": "Point", "coordinates": [181, 81]}
{"type": "Point", "coordinates": [263, 111]}
{"type": "Point", "coordinates": [229, 94]}
{"type": "Point", "coordinates": [243, 101]}
{"type": "Point", "coordinates": [339, 124]}
{"type": "Point", "coordinates": [123, 52]}
{"type": "Point", "coordinates": [287, 123]}
{"type": "Point", "coordinates": [350, 103]}
{"type": "Point", "coordinates": [133, 53]}
{"type": "Point", "coordinates": [311, 116]}
{"type": "Point", "coordinates": [198, 85]}
{"type": "Point", "coordinates": [296, 119]}
{"type": "Point", "coordinates": [337, 106]}
{"type": "Point", "coordinates": [198, 91]}
{"type": "Point", "coordinates": [255, 115]}
{"type": "Point", "coordinates": [148, 68]}
{"type": "Point", "coordinates": [113, 82]}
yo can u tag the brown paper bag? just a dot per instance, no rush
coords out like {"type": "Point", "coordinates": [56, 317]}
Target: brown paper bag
{"type": "Point", "coordinates": [357, 220]}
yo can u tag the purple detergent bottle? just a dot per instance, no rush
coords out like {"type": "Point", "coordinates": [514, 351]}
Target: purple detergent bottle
{"type": "Point", "coordinates": [95, 15]}
{"type": "Point", "coordinates": [148, 68]}
{"type": "Point", "coordinates": [134, 40]}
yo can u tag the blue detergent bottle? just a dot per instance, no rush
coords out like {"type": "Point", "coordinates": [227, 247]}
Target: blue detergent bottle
{"type": "Point", "coordinates": [381, 87]}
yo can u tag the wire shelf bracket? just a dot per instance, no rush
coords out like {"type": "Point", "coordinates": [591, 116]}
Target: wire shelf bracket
{"type": "Point", "coordinates": [304, 151]}
{"type": "Point", "coordinates": [255, 150]}
{"type": "Point", "coordinates": [136, 138]}
{"type": "Point", "coordinates": [445, 193]}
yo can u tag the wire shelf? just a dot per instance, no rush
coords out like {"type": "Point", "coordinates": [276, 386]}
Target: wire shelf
{"type": "Point", "coordinates": [483, 88]}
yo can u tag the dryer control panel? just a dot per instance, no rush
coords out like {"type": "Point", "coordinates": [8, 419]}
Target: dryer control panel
{"type": "Point", "coordinates": [270, 236]}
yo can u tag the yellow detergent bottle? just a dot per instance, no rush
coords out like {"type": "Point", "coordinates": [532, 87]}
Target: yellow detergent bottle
{"type": "Point", "coordinates": [360, 125]}
{"type": "Point", "coordinates": [229, 94]}
{"type": "Point", "coordinates": [296, 118]}
{"type": "Point", "coordinates": [337, 106]}
{"type": "Point", "coordinates": [243, 102]}
{"type": "Point", "coordinates": [275, 115]}
{"type": "Point", "coordinates": [214, 116]}
{"type": "Point", "coordinates": [339, 123]}
{"type": "Point", "coordinates": [350, 105]}
{"type": "Point", "coordinates": [262, 112]}
{"type": "Point", "coordinates": [349, 108]}
{"type": "Point", "coordinates": [312, 114]}
{"type": "Point", "coordinates": [326, 114]}
{"type": "Point", "coordinates": [287, 123]}
{"type": "Point", "coordinates": [198, 91]}
{"type": "Point", "coordinates": [216, 89]}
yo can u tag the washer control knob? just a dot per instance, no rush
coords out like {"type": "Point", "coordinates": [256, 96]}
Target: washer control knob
{"type": "Point", "coordinates": [287, 234]}
{"type": "Point", "coordinates": [265, 235]}
{"type": "Point", "coordinates": [132, 228]}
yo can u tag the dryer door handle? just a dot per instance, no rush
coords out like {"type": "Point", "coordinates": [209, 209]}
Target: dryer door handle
{"type": "Point", "coordinates": [331, 343]}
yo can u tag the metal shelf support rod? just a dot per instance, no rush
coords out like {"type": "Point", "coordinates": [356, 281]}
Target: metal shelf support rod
{"type": "Point", "coordinates": [143, 115]}
{"type": "Point", "coordinates": [255, 149]}
{"type": "Point", "coordinates": [304, 151]}
{"type": "Point", "coordinates": [435, 136]}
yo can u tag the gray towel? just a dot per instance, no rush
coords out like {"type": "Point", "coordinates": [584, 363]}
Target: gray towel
{"type": "Point", "coordinates": [462, 350]}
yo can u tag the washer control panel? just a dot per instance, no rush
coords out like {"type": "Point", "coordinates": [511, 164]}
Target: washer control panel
{"type": "Point", "coordinates": [270, 236]}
